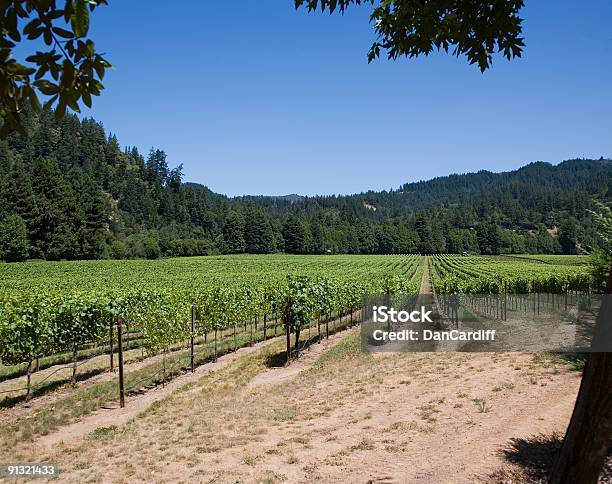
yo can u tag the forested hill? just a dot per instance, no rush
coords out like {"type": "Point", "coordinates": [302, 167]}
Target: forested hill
{"type": "Point", "coordinates": [539, 186]}
{"type": "Point", "coordinates": [69, 191]}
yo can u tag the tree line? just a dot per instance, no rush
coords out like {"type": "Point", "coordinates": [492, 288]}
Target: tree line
{"type": "Point", "coordinates": [69, 191]}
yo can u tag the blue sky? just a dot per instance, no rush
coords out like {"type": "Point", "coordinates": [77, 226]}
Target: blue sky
{"type": "Point", "coordinates": [254, 97]}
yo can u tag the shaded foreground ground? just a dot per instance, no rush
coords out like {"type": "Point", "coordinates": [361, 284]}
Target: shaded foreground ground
{"type": "Point", "coordinates": [344, 416]}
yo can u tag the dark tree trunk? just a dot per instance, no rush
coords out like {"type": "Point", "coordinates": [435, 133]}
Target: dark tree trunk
{"type": "Point", "coordinates": [589, 433]}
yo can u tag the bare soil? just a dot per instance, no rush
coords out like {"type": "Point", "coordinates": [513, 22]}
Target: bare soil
{"type": "Point", "coordinates": [337, 415]}
{"type": "Point", "coordinates": [344, 417]}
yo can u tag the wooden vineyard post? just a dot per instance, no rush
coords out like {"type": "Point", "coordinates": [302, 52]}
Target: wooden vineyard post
{"type": "Point", "coordinates": [215, 344]}
{"type": "Point", "coordinates": [505, 301]}
{"type": "Point", "coordinates": [120, 355]}
{"type": "Point", "coordinates": [288, 343]}
{"type": "Point", "coordinates": [264, 326]}
{"type": "Point", "coordinates": [327, 327]}
{"type": "Point", "coordinates": [75, 353]}
{"type": "Point", "coordinates": [192, 333]}
{"type": "Point", "coordinates": [29, 381]}
{"type": "Point", "coordinates": [319, 326]}
{"type": "Point", "coordinates": [388, 303]}
{"type": "Point", "coordinates": [110, 330]}
{"type": "Point", "coordinates": [235, 340]}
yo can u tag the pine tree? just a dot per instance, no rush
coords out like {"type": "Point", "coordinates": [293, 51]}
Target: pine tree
{"type": "Point", "coordinates": [258, 236]}
{"type": "Point", "coordinates": [13, 239]}
{"type": "Point", "coordinates": [294, 235]}
{"type": "Point", "coordinates": [233, 232]}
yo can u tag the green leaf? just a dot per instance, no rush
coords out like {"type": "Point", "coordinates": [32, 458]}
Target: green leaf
{"type": "Point", "coordinates": [34, 102]}
{"type": "Point", "coordinates": [46, 87]}
{"type": "Point", "coordinates": [19, 69]}
{"type": "Point", "coordinates": [80, 19]}
{"type": "Point", "coordinates": [66, 34]}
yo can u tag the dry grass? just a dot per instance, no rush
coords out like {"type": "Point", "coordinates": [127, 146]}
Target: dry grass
{"type": "Point", "coordinates": [310, 427]}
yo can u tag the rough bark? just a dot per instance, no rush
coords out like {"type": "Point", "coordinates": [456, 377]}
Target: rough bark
{"type": "Point", "coordinates": [589, 433]}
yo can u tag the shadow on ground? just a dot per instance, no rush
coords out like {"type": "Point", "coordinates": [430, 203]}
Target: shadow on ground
{"type": "Point", "coordinates": [530, 460]}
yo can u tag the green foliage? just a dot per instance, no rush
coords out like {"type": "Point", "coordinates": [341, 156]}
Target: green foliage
{"type": "Point", "coordinates": [482, 275]}
{"type": "Point", "coordinates": [294, 235]}
{"type": "Point", "coordinates": [68, 72]}
{"type": "Point", "coordinates": [258, 234]}
{"type": "Point", "coordinates": [155, 297]}
{"type": "Point", "coordinates": [298, 303]}
{"type": "Point", "coordinates": [151, 248]}
{"type": "Point", "coordinates": [601, 258]}
{"type": "Point", "coordinates": [474, 28]}
{"type": "Point", "coordinates": [22, 332]}
{"type": "Point", "coordinates": [13, 239]}
{"type": "Point", "coordinates": [233, 232]}
{"type": "Point", "coordinates": [78, 192]}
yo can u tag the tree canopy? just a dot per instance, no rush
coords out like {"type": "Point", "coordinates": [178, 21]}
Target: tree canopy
{"type": "Point", "coordinates": [474, 28]}
{"type": "Point", "coordinates": [67, 71]}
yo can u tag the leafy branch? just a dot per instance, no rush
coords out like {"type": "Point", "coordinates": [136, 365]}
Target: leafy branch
{"type": "Point", "coordinates": [69, 72]}
{"type": "Point", "coordinates": [410, 28]}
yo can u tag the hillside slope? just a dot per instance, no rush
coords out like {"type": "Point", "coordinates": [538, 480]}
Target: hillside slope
{"type": "Point", "coordinates": [68, 191]}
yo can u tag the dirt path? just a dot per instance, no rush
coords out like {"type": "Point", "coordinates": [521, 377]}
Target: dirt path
{"type": "Point", "coordinates": [133, 362]}
{"type": "Point", "coordinates": [349, 418]}
{"type": "Point", "coordinates": [426, 279]}
{"type": "Point", "coordinates": [134, 405]}
{"type": "Point", "coordinates": [275, 376]}
{"type": "Point", "coordinates": [62, 372]}
{"type": "Point", "coordinates": [338, 415]}
{"type": "Point", "coordinates": [115, 416]}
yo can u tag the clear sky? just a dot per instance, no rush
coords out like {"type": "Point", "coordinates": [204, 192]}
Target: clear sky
{"type": "Point", "coordinates": [254, 97]}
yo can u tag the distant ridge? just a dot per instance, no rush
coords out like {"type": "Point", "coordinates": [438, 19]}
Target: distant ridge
{"type": "Point", "coordinates": [68, 191]}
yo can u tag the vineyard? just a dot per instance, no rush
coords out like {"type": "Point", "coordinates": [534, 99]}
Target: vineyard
{"type": "Point", "coordinates": [72, 309]}
{"type": "Point", "coordinates": [484, 275]}
{"type": "Point", "coordinates": [71, 312]}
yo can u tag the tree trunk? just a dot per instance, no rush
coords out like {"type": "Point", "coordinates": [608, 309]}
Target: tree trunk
{"type": "Point", "coordinates": [589, 433]}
